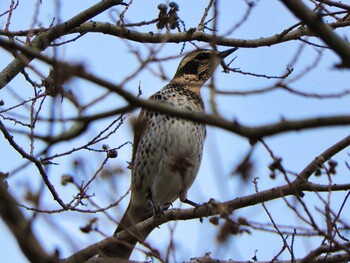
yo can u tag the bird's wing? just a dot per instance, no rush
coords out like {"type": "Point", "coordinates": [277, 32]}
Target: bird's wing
{"type": "Point", "coordinates": [139, 127]}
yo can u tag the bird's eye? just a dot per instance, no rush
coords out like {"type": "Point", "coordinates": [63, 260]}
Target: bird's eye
{"type": "Point", "coordinates": [202, 56]}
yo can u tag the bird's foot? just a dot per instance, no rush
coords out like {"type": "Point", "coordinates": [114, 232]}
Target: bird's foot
{"type": "Point", "coordinates": [158, 210]}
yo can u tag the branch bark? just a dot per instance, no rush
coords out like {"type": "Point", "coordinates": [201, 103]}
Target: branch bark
{"type": "Point", "coordinates": [192, 35]}
{"type": "Point", "coordinates": [21, 227]}
{"type": "Point", "coordinates": [43, 40]}
{"type": "Point", "coordinates": [321, 29]}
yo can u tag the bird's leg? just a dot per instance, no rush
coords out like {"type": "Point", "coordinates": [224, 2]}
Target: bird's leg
{"type": "Point", "coordinates": [189, 202]}
{"type": "Point", "coordinates": [150, 201]}
{"type": "Point", "coordinates": [183, 199]}
{"type": "Point", "coordinates": [157, 209]}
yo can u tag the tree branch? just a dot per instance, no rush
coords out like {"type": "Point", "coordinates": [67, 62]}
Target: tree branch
{"type": "Point", "coordinates": [43, 40]}
{"type": "Point", "coordinates": [339, 258]}
{"type": "Point", "coordinates": [37, 163]}
{"type": "Point", "coordinates": [213, 208]}
{"type": "Point", "coordinates": [192, 35]}
{"type": "Point", "coordinates": [209, 209]}
{"type": "Point", "coordinates": [253, 133]}
{"type": "Point", "coordinates": [321, 29]}
{"type": "Point", "coordinates": [21, 228]}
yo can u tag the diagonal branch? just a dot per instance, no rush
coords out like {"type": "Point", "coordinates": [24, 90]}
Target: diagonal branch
{"type": "Point", "coordinates": [206, 210]}
{"type": "Point", "coordinates": [37, 163]}
{"type": "Point", "coordinates": [324, 31]}
{"type": "Point", "coordinates": [43, 40]}
{"type": "Point", "coordinates": [21, 228]}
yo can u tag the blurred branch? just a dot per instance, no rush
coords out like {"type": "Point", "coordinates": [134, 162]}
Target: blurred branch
{"type": "Point", "coordinates": [43, 40]}
{"type": "Point", "coordinates": [334, 3]}
{"type": "Point", "coordinates": [324, 259]}
{"type": "Point", "coordinates": [287, 88]}
{"type": "Point", "coordinates": [313, 255]}
{"type": "Point", "coordinates": [321, 29]}
{"type": "Point", "coordinates": [21, 228]}
{"type": "Point", "coordinates": [36, 162]}
{"type": "Point", "coordinates": [254, 133]}
{"type": "Point", "coordinates": [323, 157]}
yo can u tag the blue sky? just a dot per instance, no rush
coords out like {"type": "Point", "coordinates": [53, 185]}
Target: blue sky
{"type": "Point", "coordinates": [111, 58]}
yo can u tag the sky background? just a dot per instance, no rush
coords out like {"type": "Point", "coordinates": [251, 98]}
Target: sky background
{"type": "Point", "coordinates": [111, 58]}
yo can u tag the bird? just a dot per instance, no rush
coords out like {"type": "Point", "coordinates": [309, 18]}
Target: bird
{"type": "Point", "coordinates": [167, 150]}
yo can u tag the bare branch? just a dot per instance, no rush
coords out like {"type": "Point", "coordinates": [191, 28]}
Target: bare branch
{"type": "Point", "coordinates": [21, 227]}
{"type": "Point", "coordinates": [42, 41]}
{"type": "Point", "coordinates": [324, 31]}
{"type": "Point", "coordinates": [37, 163]}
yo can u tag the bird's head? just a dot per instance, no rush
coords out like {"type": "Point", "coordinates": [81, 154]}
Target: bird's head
{"type": "Point", "coordinates": [198, 66]}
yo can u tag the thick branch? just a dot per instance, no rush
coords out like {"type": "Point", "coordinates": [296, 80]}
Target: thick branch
{"type": "Point", "coordinates": [324, 31]}
{"type": "Point", "coordinates": [150, 37]}
{"type": "Point", "coordinates": [205, 210]}
{"type": "Point", "coordinates": [43, 40]}
{"type": "Point", "coordinates": [323, 157]}
{"type": "Point", "coordinates": [21, 228]}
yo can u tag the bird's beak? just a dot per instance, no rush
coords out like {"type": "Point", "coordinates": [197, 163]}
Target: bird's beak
{"type": "Point", "coordinates": [225, 53]}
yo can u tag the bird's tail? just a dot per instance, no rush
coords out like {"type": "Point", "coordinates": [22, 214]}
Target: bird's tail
{"type": "Point", "coordinates": [130, 235]}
